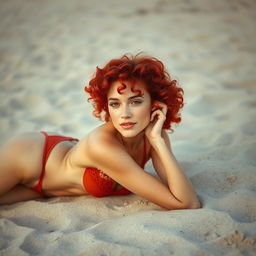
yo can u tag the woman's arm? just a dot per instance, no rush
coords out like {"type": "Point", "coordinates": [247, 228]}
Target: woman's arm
{"type": "Point", "coordinates": [110, 157]}
{"type": "Point", "coordinates": [165, 163]}
{"type": "Point", "coordinates": [172, 174]}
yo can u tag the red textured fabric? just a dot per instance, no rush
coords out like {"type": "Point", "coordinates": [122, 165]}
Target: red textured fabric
{"type": "Point", "coordinates": [98, 184]}
{"type": "Point", "coordinates": [50, 142]}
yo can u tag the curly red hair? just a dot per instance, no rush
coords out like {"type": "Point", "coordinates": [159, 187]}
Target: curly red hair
{"type": "Point", "coordinates": [147, 69]}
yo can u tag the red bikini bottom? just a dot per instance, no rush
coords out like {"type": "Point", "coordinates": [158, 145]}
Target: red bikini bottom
{"type": "Point", "coordinates": [50, 142]}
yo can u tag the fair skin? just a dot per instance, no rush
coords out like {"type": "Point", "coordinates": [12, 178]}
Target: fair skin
{"type": "Point", "coordinates": [116, 148]}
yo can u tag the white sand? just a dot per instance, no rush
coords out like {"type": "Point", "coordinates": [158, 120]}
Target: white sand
{"type": "Point", "coordinates": [48, 52]}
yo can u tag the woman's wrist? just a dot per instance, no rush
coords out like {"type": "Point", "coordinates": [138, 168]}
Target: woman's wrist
{"type": "Point", "coordinates": [157, 143]}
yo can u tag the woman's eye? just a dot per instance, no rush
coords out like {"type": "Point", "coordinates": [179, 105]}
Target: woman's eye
{"type": "Point", "coordinates": [114, 104]}
{"type": "Point", "coordinates": [136, 102]}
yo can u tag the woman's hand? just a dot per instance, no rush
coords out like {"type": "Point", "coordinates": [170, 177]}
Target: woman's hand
{"type": "Point", "coordinates": [155, 127]}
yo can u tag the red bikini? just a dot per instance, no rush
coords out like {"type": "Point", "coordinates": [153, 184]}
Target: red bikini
{"type": "Point", "coordinates": [99, 184]}
{"type": "Point", "coordinates": [95, 182]}
{"type": "Point", "coordinates": [50, 142]}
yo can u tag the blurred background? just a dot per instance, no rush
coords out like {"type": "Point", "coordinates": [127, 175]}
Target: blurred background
{"type": "Point", "coordinates": [49, 51]}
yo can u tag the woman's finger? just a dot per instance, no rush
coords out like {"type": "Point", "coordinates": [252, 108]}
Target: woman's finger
{"type": "Point", "coordinates": [159, 114]}
{"type": "Point", "coordinates": [160, 105]}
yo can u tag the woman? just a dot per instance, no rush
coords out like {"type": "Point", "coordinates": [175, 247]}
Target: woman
{"type": "Point", "coordinates": [140, 101]}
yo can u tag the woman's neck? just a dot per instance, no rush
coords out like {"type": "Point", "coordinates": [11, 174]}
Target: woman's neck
{"type": "Point", "coordinates": [132, 143]}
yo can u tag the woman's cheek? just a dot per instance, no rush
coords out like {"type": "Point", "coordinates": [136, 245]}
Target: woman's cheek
{"type": "Point", "coordinates": [114, 118]}
{"type": "Point", "coordinates": [146, 117]}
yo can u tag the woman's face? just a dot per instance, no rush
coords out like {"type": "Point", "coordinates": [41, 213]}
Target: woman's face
{"type": "Point", "coordinates": [129, 111]}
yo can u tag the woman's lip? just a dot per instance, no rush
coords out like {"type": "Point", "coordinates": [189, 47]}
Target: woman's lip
{"type": "Point", "coordinates": [127, 125]}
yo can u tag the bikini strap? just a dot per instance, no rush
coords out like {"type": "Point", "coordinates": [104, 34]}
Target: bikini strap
{"type": "Point", "coordinates": [47, 150]}
{"type": "Point", "coordinates": [144, 160]}
{"type": "Point", "coordinates": [145, 151]}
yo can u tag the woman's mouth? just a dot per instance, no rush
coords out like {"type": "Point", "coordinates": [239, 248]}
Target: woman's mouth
{"type": "Point", "coordinates": [127, 125]}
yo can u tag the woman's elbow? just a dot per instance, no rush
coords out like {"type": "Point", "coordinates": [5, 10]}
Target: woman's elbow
{"type": "Point", "coordinates": [195, 204]}
{"type": "Point", "coordinates": [189, 206]}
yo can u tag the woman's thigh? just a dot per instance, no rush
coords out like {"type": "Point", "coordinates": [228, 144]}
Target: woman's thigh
{"type": "Point", "coordinates": [17, 194]}
{"type": "Point", "coordinates": [20, 161]}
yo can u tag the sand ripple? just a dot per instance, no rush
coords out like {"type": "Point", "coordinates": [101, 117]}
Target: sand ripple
{"type": "Point", "coordinates": [48, 53]}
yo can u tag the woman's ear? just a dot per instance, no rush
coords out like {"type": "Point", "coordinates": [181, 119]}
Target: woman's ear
{"type": "Point", "coordinates": [154, 106]}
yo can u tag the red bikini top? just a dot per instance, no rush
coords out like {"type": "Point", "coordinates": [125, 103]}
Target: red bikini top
{"type": "Point", "coordinates": [98, 184]}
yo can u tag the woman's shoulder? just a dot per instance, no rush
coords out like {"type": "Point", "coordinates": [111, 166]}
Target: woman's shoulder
{"type": "Point", "coordinates": [101, 137]}
{"type": "Point", "coordinates": [94, 145]}
{"type": "Point", "coordinates": [102, 144]}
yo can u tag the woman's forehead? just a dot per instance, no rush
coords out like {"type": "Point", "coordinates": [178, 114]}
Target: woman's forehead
{"type": "Point", "coordinates": [127, 87]}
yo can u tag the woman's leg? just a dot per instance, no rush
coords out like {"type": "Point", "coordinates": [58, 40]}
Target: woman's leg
{"type": "Point", "coordinates": [10, 177]}
{"type": "Point", "coordinates": [17, 194]}
{"type": "Point", "coordinates": [14, 168]}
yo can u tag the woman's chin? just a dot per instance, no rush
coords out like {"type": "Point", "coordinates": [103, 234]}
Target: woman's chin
{"type": "Point", "coordinates": [130, 133]}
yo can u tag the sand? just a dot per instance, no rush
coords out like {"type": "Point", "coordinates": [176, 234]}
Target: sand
{"type": "Point", "coordinates": [48, 53]}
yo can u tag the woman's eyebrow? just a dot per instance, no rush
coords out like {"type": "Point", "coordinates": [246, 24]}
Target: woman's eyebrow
{"type": "Point", "coordinates": [132, 97]}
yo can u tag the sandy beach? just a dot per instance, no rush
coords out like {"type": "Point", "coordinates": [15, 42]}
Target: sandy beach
{"type": "Point", "coordinates": [49, 51]}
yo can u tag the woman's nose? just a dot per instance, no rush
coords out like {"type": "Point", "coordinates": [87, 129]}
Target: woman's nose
{"type": "Point", "coordinates": [126, 112]}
